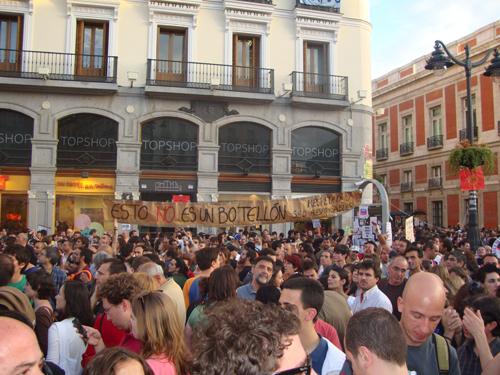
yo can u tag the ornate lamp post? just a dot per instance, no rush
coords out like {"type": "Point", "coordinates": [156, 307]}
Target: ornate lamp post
{"type": "Point", "coordinates": [439, 61]}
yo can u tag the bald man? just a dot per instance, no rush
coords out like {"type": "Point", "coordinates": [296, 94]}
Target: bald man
{"type": "Point", "coordinates": [421, 307]}
{"type": "Point", "coordinates": [19, 349]}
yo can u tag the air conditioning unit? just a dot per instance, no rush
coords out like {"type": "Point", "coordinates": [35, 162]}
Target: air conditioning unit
{"type": "Point", "coordinates": [288, 86]}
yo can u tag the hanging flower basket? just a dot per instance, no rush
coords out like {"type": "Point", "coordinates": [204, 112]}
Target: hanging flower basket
{"type": "Point", "coordinates": [470, 156]}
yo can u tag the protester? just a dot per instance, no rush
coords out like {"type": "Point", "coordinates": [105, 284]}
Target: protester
{"type": "Point", "coordinates": [369, 295]}
{"type": "Point", "coordinates": [118, 361]}
{"type": "Point", "coordinates": [262, 271]}
{"type": "Point", "coordinates": [394, 285]}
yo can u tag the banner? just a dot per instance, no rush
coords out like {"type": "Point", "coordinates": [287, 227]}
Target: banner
{"type": "Point", "coordinates": [471, 179]}
{"type": "Point", "coordinates": [225, 214]}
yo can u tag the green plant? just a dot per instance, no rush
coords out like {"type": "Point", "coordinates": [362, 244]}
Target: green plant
{"type": "Point", "coordinates": [472, 156]}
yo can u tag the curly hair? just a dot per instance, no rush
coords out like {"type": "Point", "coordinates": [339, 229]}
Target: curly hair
{"type": "Point", "coordinates": [119, 287]}
{"type": "Point", "coordinates": [250, 342]}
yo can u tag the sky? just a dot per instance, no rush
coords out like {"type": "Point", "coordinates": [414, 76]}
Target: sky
{"type": "Point", "coordinates": [404, 30]}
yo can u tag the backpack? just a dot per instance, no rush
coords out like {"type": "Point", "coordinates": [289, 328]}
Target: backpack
{"type": "Point", "coordinates": [442, 353]}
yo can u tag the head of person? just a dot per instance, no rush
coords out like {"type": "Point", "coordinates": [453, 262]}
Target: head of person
{"type": "Point", "coordinates": [368, 274]}
{"type": "Point", "coordinates": [207, 258]}
{"type": "Point", "coordinates": [454, 259]}
{"type": "Point", "coordinates": [490, 258]}
{"type": "Point", "coordinates": [73, 263]}
{"type": "Point", "coordinates": [307, 296]}
{"type": "Point", "coordinates": [116, 294]}
{"type": "Point", "coordinates": [39, 246]}
{"type": "Point", "coordinates": [19, 255]}
{"type": "Point", "coordinates": [385, 252]}
{"type": "Point", "coordinates": [6, 269]}
{"type": "Point", "coordinates": [402, 245]}
{"type": "Point", "coordinates": [277, 246]}
{"type": "Point", "coordinates": [49, 255]}
{"type": "Point", "coordinates": [137, 251]}
{"type": "Point", "coordinates": [155, 322]}
{"type": "Point", "coordinates": [268, 294]}
{"type": "Point", "coordinates": [310, 269]}
{"type": "Point", "coordinates": [293, 264]}
{"type": "Point", "coordinates": [489, 276]}
{"type": "Point", "coordinates": [340, 255]}
{"type": "Point", "coordinates": [369, 248]}
{"type": "Point", "coordinates": [397, 270]}
{"type": "Point", "coordinates": [237, 345]}
{"type": "Point", "coordinates": [414, 257]}
{"type": "Point", "coordinates": [374, 337]}
{"type": "Point", "coordinates": [337, 278]}
{"type": "Point", "coordinates": [20, 353]}
{"type": "Point", "coordinates": [22, 239]}
{"type": "Point", "coordinates": [108, 267]}
{"type": "Point", "coordinates": [222, 284]}
{"type": "Point", "coordinates": [177, 266]}
{"type": "Point", "coordinates": [326, 258]}
{"type": "Point", "coordinates": [40, 286]}
{"type": "Point", "coordinates": [262, 270]}
{"type": "Point", "coordinates": [431, 250]}
{"type": "Point", "coordinates": [489, 307]}
{"type": "Point", "coordinates": [13, 300]}
{"type": "Point", "coordinates": [421, 307]}
{"type": "Point", "coordinates": [73, 301]}
{"type": "Point", "coordinates": [117, 361]}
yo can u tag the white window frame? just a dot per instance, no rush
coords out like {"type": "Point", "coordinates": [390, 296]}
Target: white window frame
{"type": "Point", "coordinates": [408, 176]}
{"type": "Point", "coordinates": [436, 171]}
{"type": "Point", "coordinates": [316, 26]}
{"type": "Point", "coordinates": [93, 10]}
{"type": "Point", "coordinates": [182, 14]}
{"type": "Point", "coordinates": [24, 7]}
{"type": "Point", "coordinates": [433, 118]}
{"type": "Point", "coordinates": [382, 135]}
{"type": "Point", "coordinates": [406, 126]}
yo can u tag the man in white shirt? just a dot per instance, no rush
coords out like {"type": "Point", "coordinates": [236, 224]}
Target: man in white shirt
{"type": "Point", "coordinates": [368, 294]}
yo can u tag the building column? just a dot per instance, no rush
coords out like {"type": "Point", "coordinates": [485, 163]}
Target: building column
{"type": "Point", "coordinates": [127, 169]}
{"type": "Point", "coordinates": [208, 176]}
{"type": "Point", "coordinates": [281, 183]}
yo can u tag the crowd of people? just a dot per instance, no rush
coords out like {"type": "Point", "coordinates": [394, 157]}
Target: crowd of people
{"type": "Point", "coordinates": [248, 303]}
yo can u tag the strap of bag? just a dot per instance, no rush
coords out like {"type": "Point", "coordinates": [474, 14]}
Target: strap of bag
{"type": "Point", "coordinates": [442, 354]}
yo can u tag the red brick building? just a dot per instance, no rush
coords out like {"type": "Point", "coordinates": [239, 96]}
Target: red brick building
{"type": "Point", "coordinates": [420, 117]}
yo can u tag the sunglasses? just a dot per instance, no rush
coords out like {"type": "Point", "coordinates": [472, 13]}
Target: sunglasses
{"type": "Point", "coordinates": [304, 369]}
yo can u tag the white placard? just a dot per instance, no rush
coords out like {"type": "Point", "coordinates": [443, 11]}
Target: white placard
{"type": "Point", "coordinates": [388, 232]}
{"type": "Point", "coordinates": [316, 223]}
{"type": "Point", "coordinates": [363, 212]}
{"type": "Point", "coordinates": [367, 232]}
{"type": "Point", "coordinates": [409, 234]}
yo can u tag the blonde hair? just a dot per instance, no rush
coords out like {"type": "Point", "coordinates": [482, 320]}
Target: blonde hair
{"type": "Point", "coordinates": [146, 282]}
{"type": "Point", "coordinates": [160, 329]}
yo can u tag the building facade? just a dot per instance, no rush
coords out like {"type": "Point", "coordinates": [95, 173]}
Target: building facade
{"type": "Point", "coordinates": [206, 100]}
{"type": "Point", "coordinates": [420, 117]}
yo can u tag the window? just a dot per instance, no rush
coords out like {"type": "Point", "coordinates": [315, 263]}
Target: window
{"type": "Point", "coordinates": [436, 171]}
{"type": "Point", "coordinates": [315, 67]}
{"type": "Point", "coordinates": [10, 39]}
{"type": "Point", "coordinates": [407, 129]}
{"type": "Point", "coordinates": [383, 179]}
{"type": "Point", "coordinates": [246, 58]}
{"type": "Point", "coordinates": [437, 213]}
{"type": "Point", "coordinates": [91, 48]}
{"type": "Point", "coordinates": [408, 207]}
{"type": "Point", "coordinates": [171, 51]}
{"type": "Point", "coordinates": [464, 113]}
{"type": "Point", "coordinates": [382, 136]}
{"type": "Point", "coordinates": [407, 177]}
{"type": "Point", "coordinates": [436, 121]}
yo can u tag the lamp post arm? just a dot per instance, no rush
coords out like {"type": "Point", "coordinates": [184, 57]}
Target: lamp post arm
{"type": "Point", "coordinates": [450, 55]}
{"type": "Point", "coordinates": [483, 60]}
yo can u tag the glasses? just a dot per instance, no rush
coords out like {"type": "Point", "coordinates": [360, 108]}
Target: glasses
{"type": "Point", "coordinates": [401, 270]}
{"type": "Point", "coordinates": [304, 369]}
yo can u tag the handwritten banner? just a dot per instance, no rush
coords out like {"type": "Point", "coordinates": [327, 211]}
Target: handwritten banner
{"type": "Point", "coordinates": [225, 214]}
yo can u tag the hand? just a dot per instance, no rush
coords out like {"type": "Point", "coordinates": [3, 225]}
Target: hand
{"type": "Point", "coordinates": [451, 322]}
{"type": "Point", "coordinates": [473, 322]}
{"type": "Point", "coordinates": [93, 335]}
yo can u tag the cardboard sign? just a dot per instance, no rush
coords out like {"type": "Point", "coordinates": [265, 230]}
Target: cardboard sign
{"type": "Point", "coordinates": [388, 232]}
{"type": "Point", "coordinates": [224, 214]}
{"type": "Point", "coordinates": [409, 233]}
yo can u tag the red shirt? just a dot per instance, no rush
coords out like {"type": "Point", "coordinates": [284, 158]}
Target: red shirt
{"type": "Point", "coordinates": [328, 332]}
{"type": "Point", "coordinates": [131, 343]}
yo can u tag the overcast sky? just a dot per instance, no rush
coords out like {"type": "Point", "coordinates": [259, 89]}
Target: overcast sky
{"type": "Point", "coordinates": [404, 30]}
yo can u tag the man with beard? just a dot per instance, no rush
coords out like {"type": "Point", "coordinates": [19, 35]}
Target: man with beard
{"type": "Point", "coordinates": [262, 271]}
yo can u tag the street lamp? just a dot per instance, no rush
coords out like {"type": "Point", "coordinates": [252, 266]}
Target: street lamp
{"type": "Point", "coordinates": [439, 61]}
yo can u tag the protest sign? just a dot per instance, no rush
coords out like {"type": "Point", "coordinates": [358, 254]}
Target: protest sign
{"type": "Point", "coordinates": [409, 234]}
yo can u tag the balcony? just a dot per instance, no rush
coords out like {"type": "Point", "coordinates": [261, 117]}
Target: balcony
{"type": "Point", "coordinates": [463, 134]}
{"type": "Point", "coordinates": [57, 72]}
{"type": "Point", "coordinates": [435, 183]}
{"type": "Point", "coordinates": [382, 154]}
{"type": "Point", "coordinates": [406, 149]}
{"type": "Point", "coordinates": [182, 78]}
{"type": "Point", "coordinates": [435, 142]}
{"type": "Point", "coordinates": [303, 4]}
{"type": "Point", "coordinates": [406, 187]}
{"type": "Point", "coordinates": [319, 89]}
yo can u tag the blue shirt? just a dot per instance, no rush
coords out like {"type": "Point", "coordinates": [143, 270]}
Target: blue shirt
{"type": "Point", "coordinates": [194, 291]}
{"type": "Point", "coordinates": [246, 292]}
{"type": "Point", "coordinates": [318, 355]}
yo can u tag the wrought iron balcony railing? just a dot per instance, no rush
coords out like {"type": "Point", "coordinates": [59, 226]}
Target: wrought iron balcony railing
{"type": "Point", "coordinates": [210, 76]}
{"type": "Point", "coordinates": [319, 85]}
{"type": "Point", "coordinates": [406, 149]}
{"type": "Point", "coordinates": [435, 183]}
{"type": "Point", "coordinates": [406, 187]}
{"type": "Point", "coordinates": [58, 66]}
{"type": "Point", "coordinates": [382, 154]}
{"type": "Point", "coordinates": [434, 142]}
{"type": "Point", "coordinates": [463, 133]}
{"type": "Point", "coordinates": [303, 4]}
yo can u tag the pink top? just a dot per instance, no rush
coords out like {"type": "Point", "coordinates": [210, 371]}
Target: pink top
{"type": "Point", "coordinates": [161, 365]}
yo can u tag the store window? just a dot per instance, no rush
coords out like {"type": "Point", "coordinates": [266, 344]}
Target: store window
{"type": "Point", "coordinates": [245, 148]}
{"type": "Point", "coordinates": [14, 211]}
{"type": "Point", "coordinates": [16, 131]}
{"type": "Point", "coordinates": [169, 143]}
{"type": "Point", "coordinates": [316, 151]}
{"type": "Point", "coordinates": [87, 141]}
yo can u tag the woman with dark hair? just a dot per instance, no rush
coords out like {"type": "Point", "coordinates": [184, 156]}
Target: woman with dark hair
{"type": "Point", "coordinates": [222, 285]}
{"type": "Point", "coordinates": [65, 345]}
{"type": "Point", "coordinates": [178, 270]}
{"type": "Point", "coordinates": [40, 289]}
{"type": "Point", "coordinates": [115, 361]}
{"type": "Point", "coordinates": [336, 279]}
